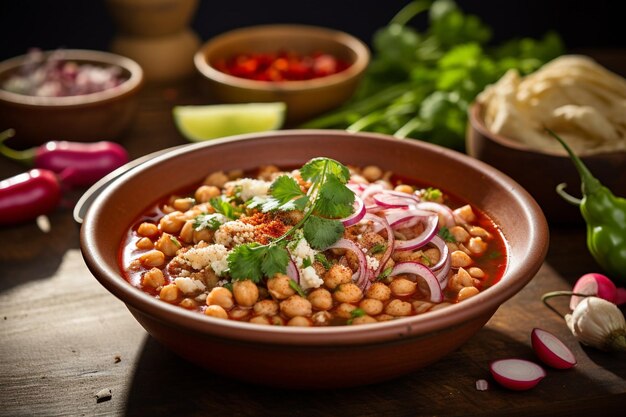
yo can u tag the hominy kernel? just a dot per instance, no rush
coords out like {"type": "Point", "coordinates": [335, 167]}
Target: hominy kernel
{"type": "Point", "coordinates": [348, 293]}
{"type": "Point", "coordinates": [477, 245]}
{"type": "Point", "coordinates": [398, 308]}
{"type": "Point", "coordinates": [372, 173]}
{"type": "Point", "coordinates": [217, 179]}
{"type": "Point", "coordinates": [321, 299]}
{"type": "Point", "coordinates": [459, 234]}
{"type": "Point", "coordinates": [299, 321]}
{"type": "Point", "coordinates": [460, 259]}
{"type": "Point", "coordinates": [260, 320]}
{"type": "Point", "coordinates": [152, 258]}
{"type": "Point", "coordinates": [379, 291]}
{"type": "Point", "coordinates": [153, 278]}
{"type": "Point", "coordinates": [183, 204]}
{"type": "Point", "coordinates": [402, 287]}
{"type": "Point", "coordinates": [266, 307]}
{"type": "Point", "coordinates": [476, 272]}
{"type": "Point", "coordinates": [216, 311]}
{"type": "Point", "coordinates": [467, 292]}
{"type": "Point", "coordinates": [220, 296]}
{"type": "Point", "coordinates": [296, 306]}
{"type": "Point", "coordinates": [147, 229]}
{"type": "Point", "coordinates": [169, 293]}
{"type": "Point", "coordinates": [144, 243]}
{"type": "Point", "coordinates": [205, 193]}
{"type": "Point", "coordinates": [364, 320]}
{"type": "Point", "coordinates": [188, 303]}
{"type": "Point", "coordinates": [403, 188]}
{"type": "Point", "coordinates": [246, 293]}
{"type": "Point", "coordinates": [371, 306]}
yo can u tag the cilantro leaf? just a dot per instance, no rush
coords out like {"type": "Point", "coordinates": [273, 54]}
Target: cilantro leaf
{"type": "Point", "coordinates": [377, 248]}
{"type": "Point", "coordinates": [306, 262]}
{"type": "Point", "coordinates": [317, 168]}
{"type": "Point", "coordinates": [321, 258]}
{"type": "Point", "coordinates": [432, 194]}
{"type": "Point", "coordinates": [357, 312]}
{"type": "Point", "coordinates": [245, 262]}
{"type": "Point", "coordinates": [335, 200]}
{"type": "Point", "coordinates": [297, 288]}
{"type": "Point", "coordinates": [285, 189]}
{"type": "Point", "coordinates": [322, 233]}
{"type": "Point", "coordinates": [223, 206]}
{"type": "Point", "coordinates": [206, 221]}
{"type": "Point", "coordinates": [384, 274]}
{"type": "Point", "coordinates": [275, 260]}
{"type": "Point", "coordinates": [445, 234]}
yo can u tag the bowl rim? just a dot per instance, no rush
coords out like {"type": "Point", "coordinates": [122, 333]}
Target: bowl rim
{"type": "Point", "coordinates": [477, 122]}
{"type": "Point", "coordinates": [485, 302]}
{"type": "Point", "coordinates": [360, 49]}
{"type": "Point", "coordinates": [127, 87]}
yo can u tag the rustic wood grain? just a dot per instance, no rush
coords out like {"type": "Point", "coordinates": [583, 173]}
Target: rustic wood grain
{"type": "Point", "coordinates": [64, 338]}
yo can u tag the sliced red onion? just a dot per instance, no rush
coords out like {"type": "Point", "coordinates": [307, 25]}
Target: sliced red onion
{"type": "Point", "coordinates": [430, 229]}
{"type": "Point", "coordinates": [356, 187]}
{"type": "Point", "coordinates": [369, 192]}
{"type": "Point", "coordinates": [391, 199]}
{"type": "Point", "coordinates": [357, 215]}
{"type": "Point", "coordinates": [416, 268]}
{"type": "Point", "coordinates": [361, 274]}
{"type": "Point", "coordinates": [292, 271]}
{"type": "Point", "coordinates": [444, 252]}
{"type": "Point", "coordinates": [442, 274]}
{"type": "Point", "coordinates": [444, 211]}
{"type": "Point", "coordinates": [381, 221]}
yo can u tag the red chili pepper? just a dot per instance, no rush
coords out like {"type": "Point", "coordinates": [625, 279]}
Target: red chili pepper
{"type": "Point", "coordinates": [281, 66]}
{"type": "Point", "coordinates": [26, 196]}
{"type": "Point", "coordinates": [78, 164]}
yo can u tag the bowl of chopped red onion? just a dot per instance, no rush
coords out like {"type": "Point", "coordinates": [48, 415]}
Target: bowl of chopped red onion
{"type": "Point", "coordinates": [78, 95]}
{"type": "Point", "coordinates": [312, 69]}
{"type": "Point", "coordinates": [313, 258]}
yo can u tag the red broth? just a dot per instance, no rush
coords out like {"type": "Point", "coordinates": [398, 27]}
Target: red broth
{"type": "Point", "coordinates": [485, 270]}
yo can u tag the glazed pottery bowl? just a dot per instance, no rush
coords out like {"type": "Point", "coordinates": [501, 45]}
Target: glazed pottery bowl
{"type": "Point", "coordinates": [305, 357]}
{"type": "Point", "coordinates": [540, 172]}
{"type": "Point", "coordinates": [304, 99]}
{"type": "Point", "coordinates": [102, 115]}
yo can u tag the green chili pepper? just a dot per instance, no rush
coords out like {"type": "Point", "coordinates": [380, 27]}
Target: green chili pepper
{"type": "Point", "coordinates": [605, 215]}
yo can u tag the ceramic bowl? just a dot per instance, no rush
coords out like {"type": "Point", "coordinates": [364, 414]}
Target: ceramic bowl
{"type": "Point", "coordinates": [539, 172]}
{"type": "Point", "coordinates": [325, 356]}
{"type": "Point", "coordinates": [97, 116]}
{"type": "Point", "coordinates": [304, 99]}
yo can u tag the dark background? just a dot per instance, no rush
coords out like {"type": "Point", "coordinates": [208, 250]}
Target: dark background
{"type": "Point", "coordinates": [50, 24]}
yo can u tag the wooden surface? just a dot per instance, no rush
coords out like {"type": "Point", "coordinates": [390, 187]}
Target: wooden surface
{"type": "Point", "coordinates": [64, 338]}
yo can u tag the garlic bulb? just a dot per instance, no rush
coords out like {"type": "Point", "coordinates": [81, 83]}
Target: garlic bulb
{"type": "Point", "coordinates": [598, 323]}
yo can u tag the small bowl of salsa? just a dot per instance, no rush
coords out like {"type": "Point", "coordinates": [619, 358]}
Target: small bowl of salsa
{"type": "Point", "coordinates": [311, 69]}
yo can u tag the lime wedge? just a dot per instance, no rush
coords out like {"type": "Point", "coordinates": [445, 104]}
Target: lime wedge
{"type": "Point", "coordinates": [198, 123]}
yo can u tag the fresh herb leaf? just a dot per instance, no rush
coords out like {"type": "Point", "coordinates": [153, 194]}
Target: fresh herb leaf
{"type": "Point", "coordinates": [306, 262]}
{"type": "Point", "coordinates": [296, 287]}
{"type": "Point", "coordinates": [245, 262]}
{"type": "Point", "coordinates": [432, 194]}
{"type": "Point", "coordinates": [377, 248]}
{"type": "Point", "coordinates": [175, 242]}
{"type": "Point", "coordinates": [206, 221]}
{"type": "Point", "coordinates": [494, 255]}
{"type": "Point", "coordinates": [317, 168]}
{"type": "Point", "coordinates": [321, 258]}
{"type": "Point", "coordinates": [425, 260]}
{"type": "Point", "coordinates": [275, 260]}
{"type": "Point", "coordinates": [335, 199]}
{"type": "Point", "coordinates": [445, 234]}
{"type": "Point", "coordinates": [357, 312]}
{"type": "Point", "coordinates": [285, 189]}
{"type": "Point", "coordinates": [384, 274]}
{"type": "Point", "coordinates": [322, 233]}
{"type": "Point", "coordinates": [223, 206]}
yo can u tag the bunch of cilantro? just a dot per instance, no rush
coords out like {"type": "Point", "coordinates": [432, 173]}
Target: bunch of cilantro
{"type": "Point", "coordinates": [420, 85]}
{"type": "Point", "coordinates": [326, 200]}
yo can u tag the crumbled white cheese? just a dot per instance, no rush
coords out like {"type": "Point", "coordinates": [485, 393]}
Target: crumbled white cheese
{"type": "Point", "coordinates": [301, 251]}
{"type": "Point", "coordinates": [189, 285]}
{"type": "Point", "coordinates": [372, 263]}
{"type": "Point", "coordinates": [234, 233]}
{"type": "Point", "coordinates": [249, 187]}
{"type": "Point", "coordinates": [309, 278]}
{"type": "Point", "coordinates": [214, 256]}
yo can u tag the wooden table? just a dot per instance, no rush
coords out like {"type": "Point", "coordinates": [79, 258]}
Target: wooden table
{"type": "Point", "coordinates": [64, 338]}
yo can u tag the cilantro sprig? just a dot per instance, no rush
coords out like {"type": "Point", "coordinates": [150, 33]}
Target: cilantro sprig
{"type": "Point", "coordinates": [326, 200]}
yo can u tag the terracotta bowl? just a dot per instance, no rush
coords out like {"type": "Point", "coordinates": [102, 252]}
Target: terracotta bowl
{"type": "Point", "coordinates": [539, 172]}
{"type": "Point", "coordinates": [315, 357]}
{"type": "Point", "coordinates": [304, 99]}
{"type": "Point", "coordinates": [90, 117]}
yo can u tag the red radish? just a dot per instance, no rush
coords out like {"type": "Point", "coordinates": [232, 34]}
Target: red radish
{"type": "Point", "coordinates": [593, 284]}
{"type": "Point", "coordinates": [516, 374]}
{"type": "Point", "coordinates": [620, 296]}
{"type": "Point", "coordinates": [551, 350]}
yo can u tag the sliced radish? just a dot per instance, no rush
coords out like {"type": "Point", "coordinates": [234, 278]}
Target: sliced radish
{"type": "Point", "coordinates": [516, 374]}
{"type": "Point", "coordinates": [551, 350]}
{"type": "Point", "coordinates": [593, 284]}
